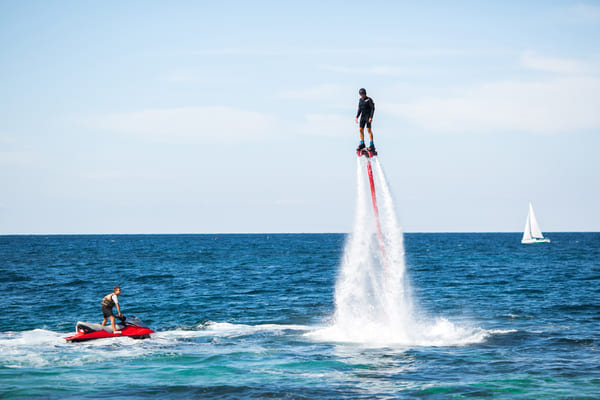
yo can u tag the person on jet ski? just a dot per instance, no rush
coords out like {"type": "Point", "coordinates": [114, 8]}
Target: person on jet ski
{"type": "Point", "coordinates": [107, 303]}
{"type": "Point", "coordinates": [366, 109]}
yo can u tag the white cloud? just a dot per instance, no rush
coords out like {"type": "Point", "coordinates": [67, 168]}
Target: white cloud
{"type": "Point", "coordinates": [551, 106]}
{"type": "Point", "coordinates": [185, 76]}
{"type": "Point", "coordinates": [275, 51]}
{"type": "Point", "coordinates": [586, 12]}
{"type": "Point", "coordinates": [332, 125]}
{"type": "Point", "coordinates": [7, 139]}
{"type": "Point", "coordinates": [189, 123]}
{"type": "Point", "coordinates": [231, 51]}
{"type": "Point", "coordinates": [321, 92]}
{"type": "Point", "coordinates": [288, 202]}
{"type": "Point", "coordinates": [373, 70]}
{"type": "Point", "coordinates": [557, 65]}
{"type": "Point", "coordinates": [399, 48]}
{"type": "Point", "coordinates": [21, 158]}
{"type": "Point", "coordinates": [112, 175]}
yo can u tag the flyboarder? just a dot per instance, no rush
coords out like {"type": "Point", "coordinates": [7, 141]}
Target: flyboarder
{"type": "Point", "coordinates": [366, 109]}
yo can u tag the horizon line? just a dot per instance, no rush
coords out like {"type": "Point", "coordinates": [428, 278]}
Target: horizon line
{"type": "Point", "coordinates": [269, 233]}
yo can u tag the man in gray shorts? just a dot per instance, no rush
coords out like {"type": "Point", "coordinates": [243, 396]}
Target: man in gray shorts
{"type": "Point", "coordinates": [107, 303]}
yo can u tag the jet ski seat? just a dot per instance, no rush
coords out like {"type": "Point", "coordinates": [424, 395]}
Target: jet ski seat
{"type": "Point", "coordinates": [88, 327]}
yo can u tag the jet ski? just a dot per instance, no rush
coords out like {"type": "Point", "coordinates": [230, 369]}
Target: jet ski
{"type": "Point", "coordinates": [129, 327]}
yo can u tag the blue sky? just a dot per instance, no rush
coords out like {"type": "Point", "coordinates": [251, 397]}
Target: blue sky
{"type": "Point", "coordinates": [156, 117]}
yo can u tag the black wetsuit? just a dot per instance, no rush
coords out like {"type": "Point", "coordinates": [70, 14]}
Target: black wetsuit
{"type": "Point", "coordinates": [366, 109]}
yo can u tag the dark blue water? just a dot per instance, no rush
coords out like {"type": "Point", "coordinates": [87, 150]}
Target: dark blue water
{"type": "Point", "coordinates": [234, 313]}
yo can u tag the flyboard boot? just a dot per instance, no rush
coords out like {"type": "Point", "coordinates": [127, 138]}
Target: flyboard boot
{"type": "Point", "coordinates": [371, 150]}
{"type": "Point", "coordinates": [360, 149]}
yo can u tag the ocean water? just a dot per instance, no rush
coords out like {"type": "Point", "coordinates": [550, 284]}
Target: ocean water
{"type": "Point", "coordinates": [258, 316]}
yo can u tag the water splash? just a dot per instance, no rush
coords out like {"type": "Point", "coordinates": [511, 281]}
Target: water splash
{"type": "Point", "coordinates": [373, 296]}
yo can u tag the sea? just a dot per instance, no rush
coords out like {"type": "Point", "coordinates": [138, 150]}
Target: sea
{"type": "Point", "coordinates": [372, 314]}
{"type": "Point", "coordinates": [285, 316]}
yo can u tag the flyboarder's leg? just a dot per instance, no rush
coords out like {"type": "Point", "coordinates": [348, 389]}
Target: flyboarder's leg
{"type": "Point", "coordinates": [371, 147]}
{"type": "Point", "coordinates": [361, 145]}
{"type": "Point", "coordinates": [370, 134]}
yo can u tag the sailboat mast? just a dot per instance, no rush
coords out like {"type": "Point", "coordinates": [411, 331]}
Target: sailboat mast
{"type": "Point", "coordinates": [527, 230]}
{"type": "Point", "coordinates": [536, 232]}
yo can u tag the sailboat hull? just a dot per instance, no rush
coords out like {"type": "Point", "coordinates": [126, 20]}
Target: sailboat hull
{"type": "Point", "coordinates": [533, 240]}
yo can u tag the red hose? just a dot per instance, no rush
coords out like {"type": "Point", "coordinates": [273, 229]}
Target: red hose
{"type": "Point", "coordinates": [376, 212]}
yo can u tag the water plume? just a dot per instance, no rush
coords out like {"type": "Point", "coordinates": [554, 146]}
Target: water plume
{"type": "Point", "coordinates": [373, 296]}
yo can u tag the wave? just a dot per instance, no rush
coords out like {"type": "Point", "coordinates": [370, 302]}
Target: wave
{"type": "Point", "coordinates": [40, 348]}
{"type": "Point", "coordinates": [43, 337]}
{"type": "Point", "coordinates": [441, 332]}
{"type": "Point", "coordinates": [229, 330]}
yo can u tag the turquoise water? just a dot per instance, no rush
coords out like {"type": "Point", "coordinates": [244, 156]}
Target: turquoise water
{"type": "Point", "coordinates": [240, 316]}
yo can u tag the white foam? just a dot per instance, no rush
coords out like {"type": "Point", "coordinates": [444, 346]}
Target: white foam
{"type": "Point", "coordinates": [225, 329]}
{"type": "Point", "coordinates": [32, 338]}
{"type": "Point", "coordinates": [40, 348]}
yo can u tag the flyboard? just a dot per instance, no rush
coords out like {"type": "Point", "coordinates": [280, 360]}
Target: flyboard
{"type": "Point", "coordinates": [368, 155]}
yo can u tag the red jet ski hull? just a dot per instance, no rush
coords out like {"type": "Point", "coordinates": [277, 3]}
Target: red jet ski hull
{"type": "Point", "coordinates": [130, 331]}
{"type": "Point", "coordinates": [90, 331]}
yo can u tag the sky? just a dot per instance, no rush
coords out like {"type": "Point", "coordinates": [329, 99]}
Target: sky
{"type": "Point", "coordinates": [234, 116]}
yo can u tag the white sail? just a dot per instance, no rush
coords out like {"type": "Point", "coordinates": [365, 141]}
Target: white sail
{"type": "Point", "coordinates": [536, 232]}
{"type": "Point", "coordinates": [532, 232]}
{"type": "Point", "coordinates": [527, 231]}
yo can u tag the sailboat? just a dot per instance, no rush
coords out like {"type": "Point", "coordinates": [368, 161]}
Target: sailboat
{"type": "Point", "coordinates": [533, 233]}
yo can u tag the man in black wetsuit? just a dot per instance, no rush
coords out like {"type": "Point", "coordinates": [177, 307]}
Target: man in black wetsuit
{"type": "Point", "coordinates": [366, 109]}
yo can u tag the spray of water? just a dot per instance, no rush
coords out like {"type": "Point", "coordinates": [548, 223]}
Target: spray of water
{"type": "Point", "coordinates": [373, 296]}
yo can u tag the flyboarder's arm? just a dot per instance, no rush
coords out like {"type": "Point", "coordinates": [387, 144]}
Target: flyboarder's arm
{"type": "Point", "coordinates": [372, 111]}
{"type": "Point", "coordinates": [357, 113]}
